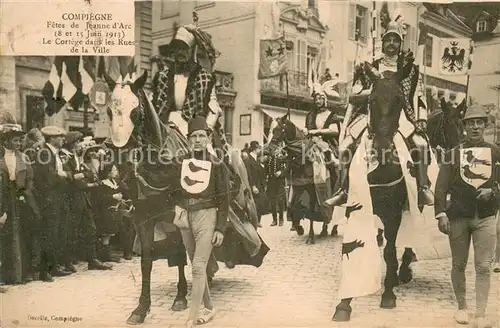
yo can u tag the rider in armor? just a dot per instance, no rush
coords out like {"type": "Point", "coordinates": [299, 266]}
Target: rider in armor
{"type": "Point", "coordinates": [412, 124]}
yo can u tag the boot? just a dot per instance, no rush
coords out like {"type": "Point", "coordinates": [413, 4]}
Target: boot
{"type": "Point", "coordinates": [339, 197]}
{"type": "Point", "coordinates": [275, 220]}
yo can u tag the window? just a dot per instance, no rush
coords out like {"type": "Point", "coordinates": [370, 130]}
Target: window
{"type": "Point", "coordinates": [428, 51]}
{"type": "Point", "coordinates": [312, 55]}
{"type": "Point", "coordinates": [358, 23]}
{"type": "Point", "coordinates": [35, 112]}
{"type": "Point", "coordinates": [301, 56]}
{"type": "Point", "coordinates": [169, 9]}
{"type": "Point", "coordinates": [481, 26]}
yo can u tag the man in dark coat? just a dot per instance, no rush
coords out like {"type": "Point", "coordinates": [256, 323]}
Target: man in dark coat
{"type": "Point", "coordinates": [256, 177]}
{"type": "Point", "coordinates": [51, 181]}
{"type": "Point", "coordinates": [80, 216]}
{"type": "Point", "coordinates": [276, 171]}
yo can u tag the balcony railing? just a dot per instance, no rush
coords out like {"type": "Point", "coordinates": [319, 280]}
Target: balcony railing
{"type": "Point", "coordinates": [297, 84]}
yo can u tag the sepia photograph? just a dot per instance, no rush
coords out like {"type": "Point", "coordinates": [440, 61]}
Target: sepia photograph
{"type": "Point", "coordinates": [302, 163]}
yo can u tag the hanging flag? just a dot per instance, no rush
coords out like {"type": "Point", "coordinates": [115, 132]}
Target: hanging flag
{"type": "Point", "coordinates": [422, 37]}
{"type": "Point", "coordinates": [72, 78]}
{"type": "Point", "coordinates": [87, 73]}
{"type": "Point", "coordinates": [273, 59]}
{"type": "Point", "coordinates": [269, 13]}
{"type": "Point", "coordinates": [455, 56]}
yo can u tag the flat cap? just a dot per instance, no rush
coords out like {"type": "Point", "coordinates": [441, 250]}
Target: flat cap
{"type": "Point", "coordinates": [52, 131]}
{"type": "Point", "coordinates": [475, 111]}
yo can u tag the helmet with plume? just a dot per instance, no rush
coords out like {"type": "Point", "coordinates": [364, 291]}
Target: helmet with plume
{"type": "Point", "coordinates": [395, 27]}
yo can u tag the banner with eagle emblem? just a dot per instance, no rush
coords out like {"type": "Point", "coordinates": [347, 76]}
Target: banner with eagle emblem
{"type": "Point", "coordinates": [475, 165]}
{"type": "Point", "coordinates": [454, 56]}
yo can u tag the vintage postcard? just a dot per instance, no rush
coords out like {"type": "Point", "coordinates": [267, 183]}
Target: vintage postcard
{"type": "Point", "coordinates": [303, 163]}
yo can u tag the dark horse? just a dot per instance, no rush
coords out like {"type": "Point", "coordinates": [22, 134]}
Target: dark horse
{"type": "Point", "coordinates": [387, 184]}
{"type": "Point", "coordinates": [301, 152]}
{"type": "Point", "coordinates": [141, 147]}
{"type": "Point", "coordinates": [445, 128]}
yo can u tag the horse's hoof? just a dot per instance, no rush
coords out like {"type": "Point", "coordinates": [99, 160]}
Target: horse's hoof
{"type": "Point", "coordinates": [300, 230]}
{"type": "Point", "coordinates": [312, 242]}
{"type": "Point", "coordinates": [388, 300]}
{"type": "Point", "coordinates": [308, 241]}
{"type": "Point", "coordinates": [180, 304]}
{"type": "Point", "coordinates": [334, 231]}
{"type": "Point", "coordinates": [324, 233]}
{"type": "Point", "coordinates": [342, 314]}
{"type": "Point", "coordinates": [405, 275]}
{"type": "Point", "coordinates": [137, 317]}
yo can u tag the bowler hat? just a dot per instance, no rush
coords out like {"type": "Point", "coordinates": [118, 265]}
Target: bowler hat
{"type": "Point", "coordinates": [254, 145]}
{"type": "Point", "coordinates": [475, 111]}
{"type": "Point", "coordinates": [197, 123]}
{"type": "Point", "coordinates": [52, 131]}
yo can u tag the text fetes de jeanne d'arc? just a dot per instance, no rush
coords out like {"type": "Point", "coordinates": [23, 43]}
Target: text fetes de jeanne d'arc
{"type": "Point", "coordinates": [89, 33]}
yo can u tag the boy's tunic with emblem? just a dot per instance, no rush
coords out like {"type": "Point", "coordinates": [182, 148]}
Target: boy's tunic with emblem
{"type": "Point", "coordinates": [203, 183]}
{"type": "Point", "coordinates": [466, 169]}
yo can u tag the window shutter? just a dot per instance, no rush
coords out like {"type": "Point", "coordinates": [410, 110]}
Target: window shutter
{"type": "Point", "coordinates": [297, 60]}
{"type": "Point", "coordinates": [290, 54]}
{"type": "Point", "coordinates": [303, 56]}
{"type": "Point", "coordinates": [351, 28]}
{"type": "Point", "coordinates": [413, 40]}
{"type": "Point", "coordinates": [366, 26]}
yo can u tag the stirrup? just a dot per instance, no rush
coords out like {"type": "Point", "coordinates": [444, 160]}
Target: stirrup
{"type": "Point", "coordinates": [425, 196]}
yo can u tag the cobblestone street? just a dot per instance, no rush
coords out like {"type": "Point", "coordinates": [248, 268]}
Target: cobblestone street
{"type": "Point", "coordinates": [296, 286]}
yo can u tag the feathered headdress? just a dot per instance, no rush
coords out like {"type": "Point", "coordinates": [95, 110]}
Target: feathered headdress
{"type": "Point", "coordinates": [200, 42]}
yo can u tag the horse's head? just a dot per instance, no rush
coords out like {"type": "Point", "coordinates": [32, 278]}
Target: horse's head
{"type": "Point", "coordinates": [453, 110]}
{"type": "Point", "coordinates": [129, 110]}
{"type": "Point", "coordinates": [386, 99]}
{"type": "Point", "coordinates": [446, 128]}
{"type": "Point", "coordinates": [283, 130]}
